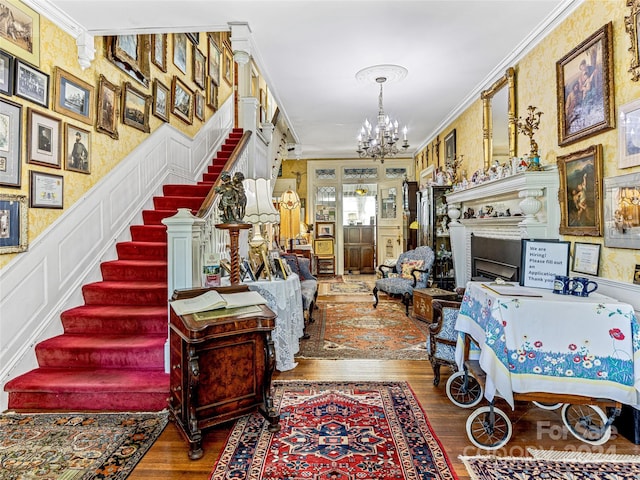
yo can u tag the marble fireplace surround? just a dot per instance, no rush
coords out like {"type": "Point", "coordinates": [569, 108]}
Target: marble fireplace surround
{"type": "Point", "coordinates": [530, 197]}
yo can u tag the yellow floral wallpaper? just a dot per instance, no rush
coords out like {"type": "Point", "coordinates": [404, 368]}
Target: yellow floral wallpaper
{"type": "Point", "coordinates": [59, 49]}
{"type": "Point", "coordinates": [536, 85]}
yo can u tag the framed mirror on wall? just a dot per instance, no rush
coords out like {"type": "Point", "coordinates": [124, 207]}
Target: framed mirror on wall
{"type": "Point", "coordinates": [499, 119]}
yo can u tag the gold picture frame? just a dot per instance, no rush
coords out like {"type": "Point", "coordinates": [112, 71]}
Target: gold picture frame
{"type": "Point", "coordinates": [72, 96]}
{"type": "Point", "coordinates": [161, 100]}
{"type": "Point", "coordinates": [585, 88]}
{"type": "Point", "coordinates": [323, 247]}
{"type": "Point", "coordinates": [27, 46]}
{"type": "Point", "coordinates": [77, 156]}
{"type": "Point", "coordinates": [108, 108]}
{"type": "Point", "coordinates": [182, 103]}
{"type": "Point", "coordinates": [131, 53]}
{"type": "Point", "coordinates": [631, 27]}
{"type": "Point", "coordinates": [199, 67]}
{"type": "Point", "coordinates": [135, 108]}
{"type": "Point", "coordinates": [581, 192]}
{"type": "Point", "coordinates": [159, 50]}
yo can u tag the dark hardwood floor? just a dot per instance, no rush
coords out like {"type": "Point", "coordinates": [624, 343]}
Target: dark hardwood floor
{"type": "Point", "coordinates": [532, 426]}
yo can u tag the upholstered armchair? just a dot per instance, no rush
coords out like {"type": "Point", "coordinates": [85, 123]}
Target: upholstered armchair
{"type": "Point", "coordinates": [411, 271]}
{"type": "Point", "coordinates": [441, 342]}
{"type": "Point", "coordinates": [308, 286]}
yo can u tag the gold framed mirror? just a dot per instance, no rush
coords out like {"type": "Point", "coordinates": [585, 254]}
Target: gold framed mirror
{"type": "Point", "coordinates": [499, 119]}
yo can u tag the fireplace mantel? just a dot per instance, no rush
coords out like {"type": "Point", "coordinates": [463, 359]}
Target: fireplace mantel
{"type": "Point", "coordinates": [530, 197]}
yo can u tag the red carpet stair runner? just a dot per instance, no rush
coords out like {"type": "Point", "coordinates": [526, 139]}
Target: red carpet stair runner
{"type": "Point", "coordinates": [111, 354]}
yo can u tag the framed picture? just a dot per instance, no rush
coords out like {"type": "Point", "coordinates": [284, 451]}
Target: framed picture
{"type": "Point", "coordinates": [26, 45]}
{"type": "Point", "coordinates": [581, 192]}
{"type": "Point", "coordinates": [180, 51]}
{"type": "Point", "coordinates": [181, 100]}
{"type": "Point", "coordinates": [212, 94]}
{"type": "Point", "coordinates": [10, 143]}
{"type": "Point", "coordinates": [77, 149]}
{"type": "Point", "coordinates": [31, 84]}
{"type": "Point", "coordinates": [131, 54]}
{"type": "Point", "coordinates": [247, 272]}
{"type": "Point", "coordinates": [622, 211]}
{"type": "Point", "coordinates": [136, 107]}
{"type": "Point", "coordinates": [280, 269]}
{"type": "Point", "coordinates": [325, 229]}
{"type": "Point", "coordinates": [585, 88]}
{"type": "Point", "coordinates": [199, 108]}
{"type": "Point", "coordinates": [323, 246]}
{"type": "Point", "coordinates": [161, 100]}
{"type": "Point", "coordinates": [46, 190]}
{"type": "Point", "coordinates": [214, 60]}
{"type": "Point", "coordinates": [199, 67]}
{"type": "Point", "coordinates": [13, 223]}
{"type": "Point", "coordinates": [108, 108]}
{"type": "Point", "coordinates": [227, 72]}
{"type": "Point", "coordinates": [631, 26]}
{"type": "Point", "coordinates": [541, 261]}
{"type": "Point", "coordinates": [159, 50]}
{"type": "Point", "coordinates": [194, 37]}
{"type": "Point", "coordinates": [73, 97]}
{"type": "Point", "coordinates": [44, 136]}
{"type": "Point", "coordinates": [586, 258]}
{"type": "Point", "coordinates": [629, 135]}
{"type": "Point", "coordinates": [450, 147]}
{"type": "Point", "coordinates": [6, 73]}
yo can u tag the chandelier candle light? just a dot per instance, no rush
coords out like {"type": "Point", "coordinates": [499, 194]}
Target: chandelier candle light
{"type": "Point", "coordinates": [381, 140]}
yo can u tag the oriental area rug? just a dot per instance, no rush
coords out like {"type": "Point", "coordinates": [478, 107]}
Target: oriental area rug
{"type": "Point", "coordinates": [554, 465]}
{"type": "Point", "coordinates": [75, 446]}
{"type": "Point", "coordinates": [347, 284]}
{"type": "Point", "coordinates": [337, 431]}
{"type": "Point", "coordinates": [356, 330]}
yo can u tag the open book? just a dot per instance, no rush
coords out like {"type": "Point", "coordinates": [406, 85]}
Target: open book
{"type": "Point", "coordinates": [213, 300]}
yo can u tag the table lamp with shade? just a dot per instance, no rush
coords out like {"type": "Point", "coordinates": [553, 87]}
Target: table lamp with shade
{"type": "Point", "coordinates": [289, 216]}
{"type": "Point", "coordinates": [259, 211]}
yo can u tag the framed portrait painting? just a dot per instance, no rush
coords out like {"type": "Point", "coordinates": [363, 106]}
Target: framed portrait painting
{"type": "Point", "coordinates": [136, 107]}
{"type": "Point", "coordinates": [199, 106]}
{"type": "Point", "coordinates": [13, 223]}
{"type": "Point", "coordinates": [450, 147]}
{"type": "Point", "coordinates": [161, 100]}
{"type": "Point", "coordinates": [10, 143]}
{"type": "Point", "coordinates": [77, 151]}
{"type": "Point", "coordinates": [581, 192]}
{"type": "Point", "coordinates": [228, 67]}
{"type": "Point", "coordinates": [73, 97]}
{"type": "Point", "coordinates": [585, 88]}
{"type": "Point", "coordinates": [181, 100]}
{"type": "Point", "coordinates": [31, 84]}
{"type": "Point", "coordinates": [6, 73]}
{"type": "Point", "coordinates": [108, 108]}
{"type": "Point", "coordinates": [26, 45]}
{"type": "Point", "coordinates": [43, 139]}
{"type": "Point", "coordinates": [212, 94]}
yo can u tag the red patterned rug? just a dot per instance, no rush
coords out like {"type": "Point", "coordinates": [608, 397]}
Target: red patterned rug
{"type": "Point", "coordinates": [357, 330]}
{"type": "Point", "coordinates": [337, 431]}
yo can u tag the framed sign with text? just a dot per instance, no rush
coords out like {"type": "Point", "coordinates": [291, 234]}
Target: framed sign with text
{"type": "Point", "coordinates": [542, 260]}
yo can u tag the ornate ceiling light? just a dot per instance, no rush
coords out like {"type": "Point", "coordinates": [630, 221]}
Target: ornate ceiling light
{"type": "Point", "coordinates": [381, 140]}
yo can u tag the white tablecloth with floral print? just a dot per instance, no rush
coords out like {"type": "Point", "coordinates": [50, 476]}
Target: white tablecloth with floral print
{"type": "Point", "coordinates": [561, 344]}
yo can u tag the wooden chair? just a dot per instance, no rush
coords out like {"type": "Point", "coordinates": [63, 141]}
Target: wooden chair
{"type": "Point", "coordinates": [441, 343]}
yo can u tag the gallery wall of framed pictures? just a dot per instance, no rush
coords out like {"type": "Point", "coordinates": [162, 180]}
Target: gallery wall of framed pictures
{"type": "Point", "coordinates": [57, 121]}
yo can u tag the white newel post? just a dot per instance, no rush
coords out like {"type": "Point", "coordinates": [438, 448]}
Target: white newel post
{"type": "Point", "coordinates": [184, 237]}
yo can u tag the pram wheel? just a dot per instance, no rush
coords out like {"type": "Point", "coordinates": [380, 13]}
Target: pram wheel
{"type": "Point", "coordinates": [489, 428]}
{"type": "Point", "coordinates": [547, 406]}
{"type": "Point", "coordinates": [587, 423]}
{"type": "Point", "coordinates": [464, 390]}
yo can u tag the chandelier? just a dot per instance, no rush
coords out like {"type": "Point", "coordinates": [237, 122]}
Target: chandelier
{"type": "Point", "coordinates": [381, 140]}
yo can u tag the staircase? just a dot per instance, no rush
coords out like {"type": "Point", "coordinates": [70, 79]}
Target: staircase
{"type": "Point", "coordinates": [111, 354]}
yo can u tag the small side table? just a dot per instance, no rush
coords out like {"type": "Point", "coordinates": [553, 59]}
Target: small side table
{"type": "Point", "coordinates": [325, 265]}
{"type": "Point", "coordinates": [422, 298]}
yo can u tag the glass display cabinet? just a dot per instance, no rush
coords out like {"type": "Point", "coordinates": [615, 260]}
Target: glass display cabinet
{"type": "Point", "coordinates": [434, 222]}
